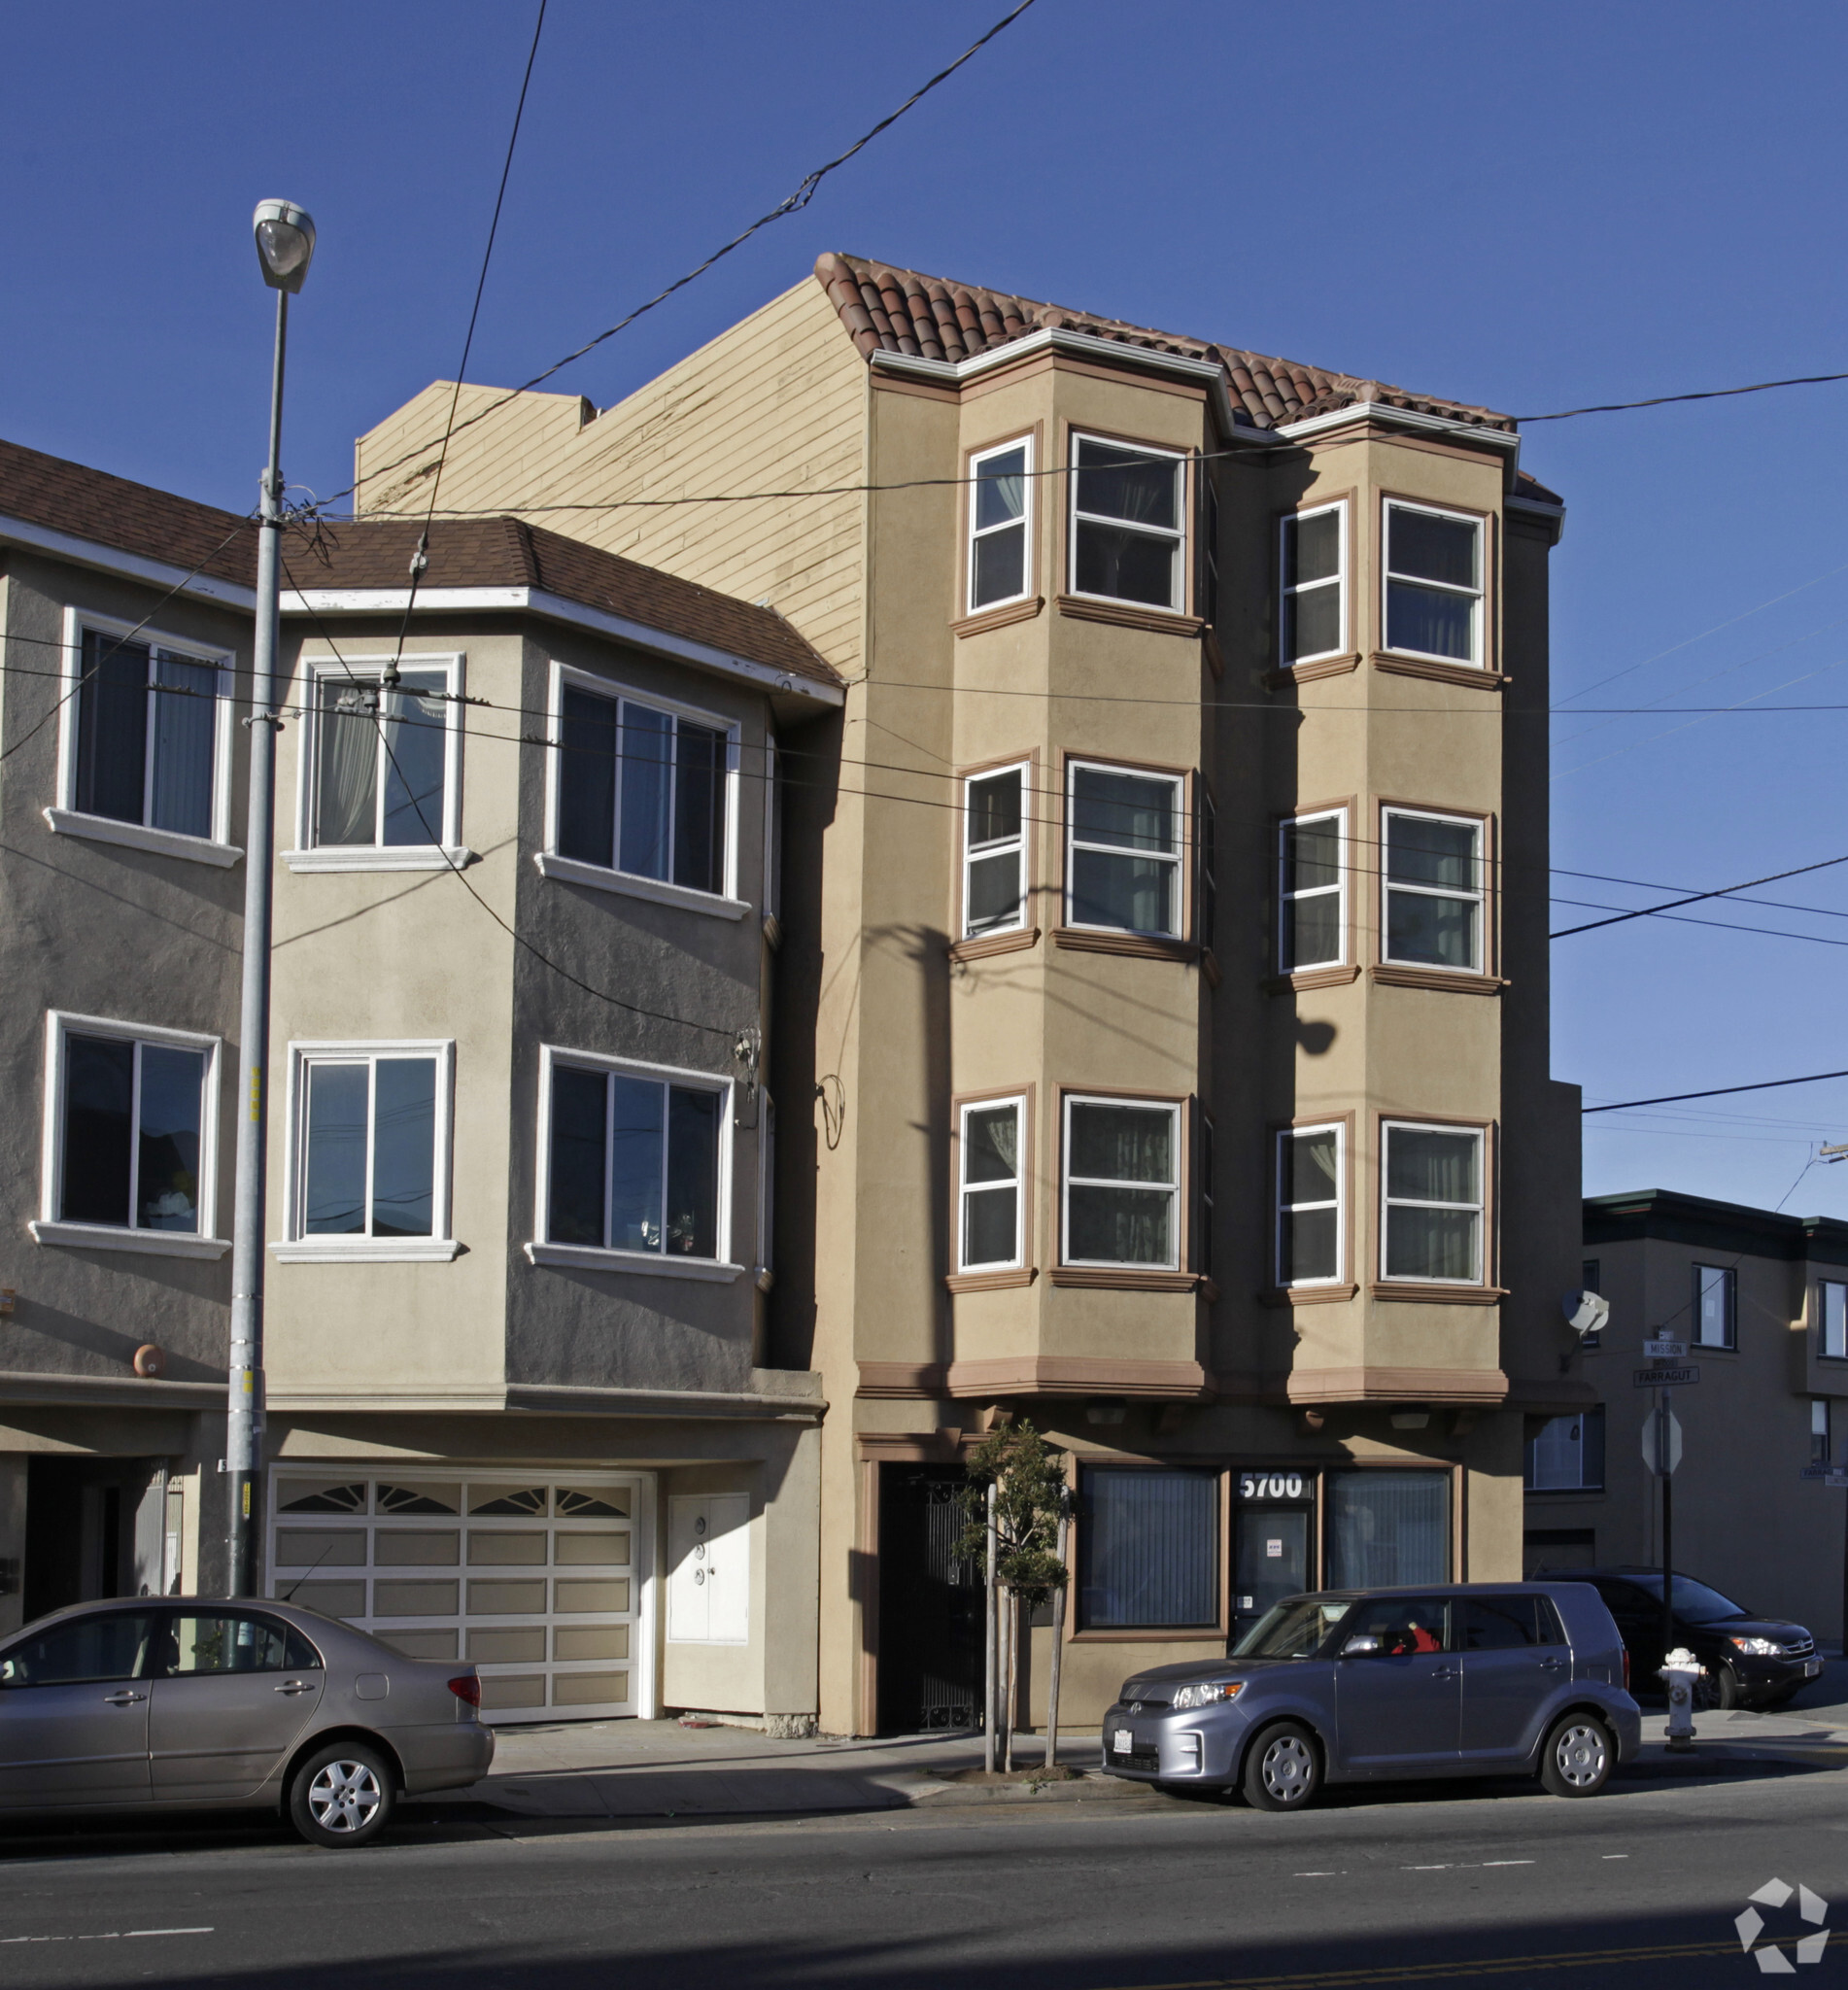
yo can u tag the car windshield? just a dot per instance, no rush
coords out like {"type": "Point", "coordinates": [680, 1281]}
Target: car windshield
{"type": "Point", "coordinates": [1695, 1601]}
{"type": "Point", "coordinates": [1294, 1629]}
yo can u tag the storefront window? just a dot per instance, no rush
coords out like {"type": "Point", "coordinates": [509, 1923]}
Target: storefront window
{"type": "Point", "coordinates": [1149, 1549]}
{"type": "Point", "coordinates": [1388, 1527]}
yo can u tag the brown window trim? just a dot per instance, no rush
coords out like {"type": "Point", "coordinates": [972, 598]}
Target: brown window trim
{"type": "Point", "coordinates": [1331, 974]}
{"type": "Point", "coordinates": [998, 618]}
{"type": "Point", "coordinates": [1317, 1294]}
{"type": "Point", "coordinates": [1178, 946]}
{"type": "Point", "coordinates": [1436, 1295]}
{"type": "Point", "coordinates": [1471, 677]}
{"type": "Point", "coordinates": [1181, 621]}
{"type": "Point", "coordinates": [1139, 946]}
{"type": "Point", "coordinates": [1489, 671]}
{"type": "Point", "coordinates": [1195, 1635]}
{"type": "Point", "coordinates": [1128, 1278]}
{"type": "Point", "coordinates": [1307, 1295]}
{"type": "Point", "coordinates": [1026, 1271]}
{"type": "Point", "coordinates": [1392, 974]}
{"type": "Point", "coordinates": [994, 943]}
{"type": "Point", "coordinates": [1348, 657]}
{"type": "Point", "coordinates": [1032, 818]}
{"type": "Point", "coordinates": [990, 1281]}
{"type": "Point", "coordinates": [1311, 978]}
{"type": "Point", "coordinates": [1450, 979]}
{"type": "Point", "coordinates": [1126, 615]}
{"type": "Point", "coordinates": [1488, 1292]}
{"type": "Point", "coordinates": [1306, 674]}
{"type": "Point", "coordinates": [1139, 1634]}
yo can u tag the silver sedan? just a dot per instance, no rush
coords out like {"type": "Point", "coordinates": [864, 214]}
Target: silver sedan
{"type": "Point", "coordinates": [194, 1701]}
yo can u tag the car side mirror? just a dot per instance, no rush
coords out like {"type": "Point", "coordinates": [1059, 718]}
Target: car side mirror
{"type": "Point", "coordinates": [1360, 1648]}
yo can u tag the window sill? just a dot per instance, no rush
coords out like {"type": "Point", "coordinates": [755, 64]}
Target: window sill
{"type": "Point", "coordinates": [1312, 668]}
{"type": "Point", "coordinates": [1306, 979]}
{"type": "Point", "coordinates": [1446, 980]}
{"type": "Point", "coordinates": [397, 857]}
{"type": "Point", "coordinates": [1307, 1295]}
{"type": "Point", "coordinates": [1131, 615]}
{"type": "Point", "coordinates": [366, 1251]}
{"type": "Point", "coordinates": [1436, 1293]}
{"type": "Point", "coordinates": [135, 835]}
{"type": "Point", "coordinates": [1123, 1277]}
{"type": "Point", "coordinates": [984, 944]}
{"type": "Point", "coordinates": [587, 1257]}
{"type": "Point", "coordinates": [574, 871]}
{"type": "Point", "coordinates": [1138, 946]}
{"type": "Point", "coordinates": [998, 617]}
{"type": "Point", "coordinates": [143, 1243]}
{"type": "Point", "coordinates": [1011, 1279]}
{"type": "Point", "coordinates": [1212, 1635]}
{"type": "Point", "coordinates": [1476, 676]}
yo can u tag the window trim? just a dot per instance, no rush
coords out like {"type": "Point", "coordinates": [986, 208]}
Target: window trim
{"type": "Point", "coordinates": [1019, 1270]}
{"type": "Point", "coordinates": [601, 1257]}
{"type": "Point", "coordinates": [1343, 887]}
{"type": "Point", "coordinates": [1478, 659]}
{"type": "Point", "coordinates": [1601, 1484]}
{"type": "Point", "coordinates": [1027, 766]}
{"type": "Point", "coordinates": [1823, 1286]}
{"type": "Point", "coordinates": [1180, 1190]}
{"type": "Point", "coordinates": [1338, 1284]}
{"type": "Point", "coordinates": [1181, 536]}
{"type": "Point", "coordinates": [309, 857]}
{"type": "Point", "coordinates": [728, 904]}
{"type": "Point", "coordinates": [1183, 782]}
{"type": "Point", "coordinates": [972, 459]}
{"type": "Point", "coordinates": [295, 1246]}
{"type": "Point", "coordinates": [66, 818]}
{"type": "Point", "coordinates": [48, 1227]}
{"type": "Point", "coordinates": [1730, 1273]}
{"type": "Point", "coordinates": [1484, 895]}
{"type": "Point", "coordinates": [1342, 581]}
{"type": "Point", "coordinates": [1079, 1630]}
{"type": "Point", "coordinates": [1483, 1283]}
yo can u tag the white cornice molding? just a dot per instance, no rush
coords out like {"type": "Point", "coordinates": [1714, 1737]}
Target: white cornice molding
{"type": "Point", "coordinates": [1400, 418]}
{"type": "Point", "coordinates": [533, 600]}
{"type": "Point", "coordinates": [130, 566]}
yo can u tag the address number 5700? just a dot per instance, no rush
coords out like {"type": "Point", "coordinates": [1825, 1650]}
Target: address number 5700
{"type": "Point", "coordinates": [1270, 1485]}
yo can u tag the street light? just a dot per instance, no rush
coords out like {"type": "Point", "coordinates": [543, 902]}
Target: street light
{"type": "Point", "coordinates": [284, 246]}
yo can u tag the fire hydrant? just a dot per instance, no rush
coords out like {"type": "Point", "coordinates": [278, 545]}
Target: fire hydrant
{"type": "Point", "coordinates": [1680, 1669]}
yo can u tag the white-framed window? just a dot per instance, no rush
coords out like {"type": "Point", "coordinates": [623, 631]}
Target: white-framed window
{"type": "Point", "coordinates": [1206, 879]}
{"type": "Point", "coordinates": [145, 740]}
{"type": "Point", "coordinates": [1716, 1306]}
{"type": "Point", "coordinates": [634, 1166]}
{"type": "Point", "coordinates": [369, 1149]}
{"type": "Point", "coordinates": [1208, 548]}
{"type": "Point", "coordinates": [1121, 1191]}
{"type": "Point", "coordinates": [1208, 1203]}
{"type": "Point", "coordinates": [1312, 891]}
{"type": "Point", "coordinates": [380, 784]}
{"type": "Point", "coordinates": [1001, 525]}
{"type": "Point", "coordinates": [130, 1136]}
{"type": "Point", "coordinates": [1431, 878]}
{"type": "Point", "coordinates": [1124, 830]}
{"type": "Point", "coordinates": [1566, 1454]}
{"type": "Point", "coordinates": [1433, 581]}
{"type": "Point", "coordinates": [1129, 532]}
{"type": "Point", "coordinates": [1831, 1306]}
{"type": "Point", "coordinates": [1432, 1194]}
{"type": "Point", "coordinates": [1312, 584]}
{"type": "Point", "coordinates": [773, 833]}
{"type": "Point", "coordinates": [1310, 1173]}
{"type": "Point", "coordinates": [643, 795]}
{"type": "Point", "coordinates": [1819, 1435]}
{"type": "Point", "coordinates": [995, 851]}
{"type": "Point", "coordinates": [991, 1144]}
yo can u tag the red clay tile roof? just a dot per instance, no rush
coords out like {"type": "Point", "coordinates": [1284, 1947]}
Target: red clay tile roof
{"type": "Point", "coordinates": [507, 552]}
{"type": "Point", "coordinates": [888, 309]}
{"type": "Point", "coordinates": [61, 496]}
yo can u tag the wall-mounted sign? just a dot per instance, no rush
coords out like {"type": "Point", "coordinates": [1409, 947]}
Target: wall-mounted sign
{"type": "Point", "coordinates": [1272, 1486]}
{"type": "Point", "coordinates": [1664, 1350]}
{"type": "Point", "coordinates": [1665, 1376]}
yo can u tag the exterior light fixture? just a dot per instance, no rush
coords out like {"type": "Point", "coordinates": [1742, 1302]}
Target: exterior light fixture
{"type": "Point", "coordinates": [284, 243]}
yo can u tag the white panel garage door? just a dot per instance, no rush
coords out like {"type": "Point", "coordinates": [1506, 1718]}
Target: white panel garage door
{"type": "Point", "coordinates": [538, 1578]}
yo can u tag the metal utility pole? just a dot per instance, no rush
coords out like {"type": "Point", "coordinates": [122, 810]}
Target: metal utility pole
{"type": "Point", "coordinates": [1664, 1450]}
{"type": "Point", "coordinates": [285, 248]}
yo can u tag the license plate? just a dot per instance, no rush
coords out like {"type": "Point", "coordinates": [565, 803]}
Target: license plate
{"type": "Point", "coordinates": [1123, 1742]}
{"type": "Point", "coordinates": [1813, 1669]}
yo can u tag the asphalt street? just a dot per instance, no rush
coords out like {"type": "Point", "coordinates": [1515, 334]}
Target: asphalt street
{"type": "Point", "coordinates": [1457, 1884]}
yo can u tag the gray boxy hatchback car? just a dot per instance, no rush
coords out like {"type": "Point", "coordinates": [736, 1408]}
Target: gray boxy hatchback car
{"type": "Point", "coordinates": [1370, 1684]}
{"type": "Point", "coordinates": [189, 1702]}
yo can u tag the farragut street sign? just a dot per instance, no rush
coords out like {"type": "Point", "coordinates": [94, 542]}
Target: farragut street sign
{"type": "Point", "coordinates": [1665, 1378]}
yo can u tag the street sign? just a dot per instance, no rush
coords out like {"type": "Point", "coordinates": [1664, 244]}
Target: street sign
{"type": "Point", "coordinates": [1664, 1350]}
{"type": "Point", "coordinates": [1827, 1475]}
{"type": "Point", "coordinates": [1665, 1376]}
{"type": "Point", "coordinates": [1651, 1425]}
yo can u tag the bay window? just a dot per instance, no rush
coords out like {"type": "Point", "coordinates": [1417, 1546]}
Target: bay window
{"type": "Point", "coordinates": [1312, 590]}
{"type": "Point", "coordinates": [1121, 1187]}
{"type": "Point", "coordinates": [1000, 525]}
{"type": "Point", "coordinates": [1123, 837]}
{"type": "Point", "coordinates": [1433, 583]}
{"type": "Point", "coordinates": [994, 853]}
{"type": "Point", "coordinates": [380, 767]}
{"type": "Point", "coordinates": [991, 1148]}
{"type": "Point", "coordinates": [1309, 1171]}
{"type": "Point", "coordinates": [1433, 1178]}
{"type": "Point", "coordinates": [1433, 879]}
{"type": "Point", "coordinates": [1128, 522]}
{"type": "Point", "coordinates": [1312, 891]}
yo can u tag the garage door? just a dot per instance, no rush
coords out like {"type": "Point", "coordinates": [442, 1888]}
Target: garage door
{"type": "Point", "coordinates": [537, 1579]}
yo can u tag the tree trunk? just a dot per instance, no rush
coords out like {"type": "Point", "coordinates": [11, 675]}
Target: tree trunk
{"type": "Point", "coordinates": [991, 1631]}
{"type": "Point", "coordinates": [1058, 1647]}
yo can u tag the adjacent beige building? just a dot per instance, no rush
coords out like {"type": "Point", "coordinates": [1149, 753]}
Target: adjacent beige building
{"type": "Point", "coordinates": [1165, 911]}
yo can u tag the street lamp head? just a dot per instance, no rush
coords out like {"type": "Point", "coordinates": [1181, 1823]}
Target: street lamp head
{"type": "Point", "coordinates": [284, 243]}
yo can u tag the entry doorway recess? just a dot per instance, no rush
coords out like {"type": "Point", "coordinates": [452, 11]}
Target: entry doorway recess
{"type": "Point", "coordinates": [1273, 1551]}
{"type": "Point", "coordinates": [930, 1603]}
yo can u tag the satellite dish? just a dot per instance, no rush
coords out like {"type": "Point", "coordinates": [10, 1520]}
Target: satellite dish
{"type": "Point", "coordinates": [1584, 1312]}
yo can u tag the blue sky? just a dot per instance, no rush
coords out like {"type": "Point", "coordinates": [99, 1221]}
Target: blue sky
{"type": "Point", "coordinates": [1534, 208]}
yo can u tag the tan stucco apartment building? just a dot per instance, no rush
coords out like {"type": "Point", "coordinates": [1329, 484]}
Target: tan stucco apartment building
{"type": "Point", "coordinates": [1168, 902]}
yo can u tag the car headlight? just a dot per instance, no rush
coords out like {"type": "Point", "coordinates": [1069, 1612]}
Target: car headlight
{"type": "Point", "coordinates": [1206, 1692]}
{"type": "Point", "coordinates": [1758, 1647]}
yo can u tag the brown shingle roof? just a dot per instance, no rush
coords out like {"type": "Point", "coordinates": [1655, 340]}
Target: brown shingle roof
{"type": "Point", "coordinates": [888, 309]}
{"type": "Point", "coordinates": [507, 552]}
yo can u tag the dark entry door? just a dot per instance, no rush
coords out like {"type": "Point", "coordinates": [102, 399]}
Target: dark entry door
{"type": "Point", "coordinates": [930, 1604]}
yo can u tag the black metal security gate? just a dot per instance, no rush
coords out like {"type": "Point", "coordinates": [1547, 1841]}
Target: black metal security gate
{"type": "Point", "coordinates": [930, 1604]}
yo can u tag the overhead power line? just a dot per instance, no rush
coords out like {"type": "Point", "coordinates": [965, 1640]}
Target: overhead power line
{"type": "Point", "coordinates": [1662, 400]}
{"type": "Point", "coordinates": [1696, 898]}
{"type": "Point", "coordinates": [1719, 1091]}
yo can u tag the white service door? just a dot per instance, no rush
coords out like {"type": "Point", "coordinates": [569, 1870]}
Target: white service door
{"type": "Point", "coordinates": [709, 1568]}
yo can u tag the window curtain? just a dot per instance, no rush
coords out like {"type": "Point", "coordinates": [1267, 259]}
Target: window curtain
{"type": "Point", "coordinates": [345, 789]}
{"type": "Point", "coordinates": [1149, 1548]}
{"type": "Point", "coordinates": [1388, 1527]}
{"type": "Point", "coordinates": [647, 789]}
{"type": "Point", "coordinates": [1122, 1143]}
{"type": "Point", "coordinates": [1115, 483]}
{"type": "Point", "coordinates": [1432, 1166]}
{"type": "Point", "coordinates": [185, 734]}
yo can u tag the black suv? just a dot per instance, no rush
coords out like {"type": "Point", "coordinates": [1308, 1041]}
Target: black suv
{"type": "Point", "coordinates": [1752, 1662]}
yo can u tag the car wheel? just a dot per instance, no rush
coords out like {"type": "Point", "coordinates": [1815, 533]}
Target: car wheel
{"type": "Point", "coordinates": [1578, 1757]}
{"type": "Point", "coordinates": [1718, 1692]}
{"type": "Point", "coordinates": [1282, 1770]}
{"type": "Point", "coordinates": [342, 1795]}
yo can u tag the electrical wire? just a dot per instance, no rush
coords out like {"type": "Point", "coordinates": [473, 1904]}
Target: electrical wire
{"type": "Point", "coordinates": [1719, 1091]}
{"type": "Point", "coordinates": [1696, 898]}
{"type": "Point", "coordinates": [1662, 400]}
